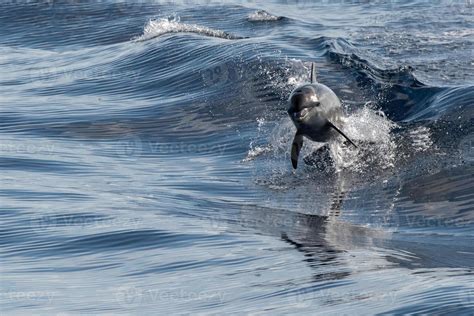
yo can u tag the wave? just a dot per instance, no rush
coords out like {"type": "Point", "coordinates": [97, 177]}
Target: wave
{"type": "Point", "coordinates": [398, 91]}
{"type": "Point", "coordinates": [172, 24]}
{"type": "Point", "coordinates": [263, 16]}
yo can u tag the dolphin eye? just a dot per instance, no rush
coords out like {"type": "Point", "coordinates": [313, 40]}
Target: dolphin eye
{"type": "Point", "coordinates": [317, 103]}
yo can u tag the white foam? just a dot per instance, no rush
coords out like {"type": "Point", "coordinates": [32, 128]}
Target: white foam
{"type": "Point", "coordinates": [370, 130]}
{"type": "Point", "coordinates": [173, 24]}
{"type": "Point", "coordinates": [262, 16]}
{"type": "Point", "coordinates": [459, 33]}
{"type": "Point", "coordinates": [256, 151]}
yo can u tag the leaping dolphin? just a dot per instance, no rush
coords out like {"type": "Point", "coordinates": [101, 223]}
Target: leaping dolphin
{"type": "Point", "coordinates": [317, 114]}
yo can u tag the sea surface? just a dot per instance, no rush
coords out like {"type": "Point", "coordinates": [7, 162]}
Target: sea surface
{"type": "Point", "coordinates": [145, 158]}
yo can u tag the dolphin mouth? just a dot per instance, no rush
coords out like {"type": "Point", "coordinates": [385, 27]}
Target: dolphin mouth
{"type": "Point", "coordinates": [299, 116]}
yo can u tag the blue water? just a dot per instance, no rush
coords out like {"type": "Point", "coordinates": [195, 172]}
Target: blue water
{"type": "Point", "coordinates": [145, 166]}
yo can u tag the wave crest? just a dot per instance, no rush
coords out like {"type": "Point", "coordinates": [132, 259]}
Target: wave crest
{"type": "Point", "coordinates": [157, 27]}
{"type": "Point", "coordinates": [263, 16]}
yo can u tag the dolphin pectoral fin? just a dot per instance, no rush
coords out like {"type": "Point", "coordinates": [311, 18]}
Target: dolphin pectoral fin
{"type": "Point", "coordinates": [340, 132]}
{"type": "Point", "coordinates": [295, 149]}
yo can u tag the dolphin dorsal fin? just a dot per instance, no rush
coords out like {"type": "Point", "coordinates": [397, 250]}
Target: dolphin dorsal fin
{"type": "Point", "coordinates": [313, 73]}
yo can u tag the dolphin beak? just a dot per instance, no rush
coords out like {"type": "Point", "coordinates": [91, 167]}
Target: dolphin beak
{"type": "Point", "coordinates": [301, 114]}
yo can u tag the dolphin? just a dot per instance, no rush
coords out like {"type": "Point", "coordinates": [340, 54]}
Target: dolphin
{"type": "Point", "coordinates": [316, 113]}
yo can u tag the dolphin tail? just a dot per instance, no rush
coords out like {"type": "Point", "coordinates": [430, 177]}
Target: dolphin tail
{"type": "Point", "coordinates": [313, 73]}
{"type": "Point", "coordinates": [340, 132]}
{"type": "Point", "coordinates": [295, 149]}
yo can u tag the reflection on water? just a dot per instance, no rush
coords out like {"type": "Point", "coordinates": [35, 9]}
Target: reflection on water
{"type": "Point", "coordinates": [154, 176]}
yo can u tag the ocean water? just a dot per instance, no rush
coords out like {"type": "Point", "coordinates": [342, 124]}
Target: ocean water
{"type": "Point", "coordinates": [145, 166]}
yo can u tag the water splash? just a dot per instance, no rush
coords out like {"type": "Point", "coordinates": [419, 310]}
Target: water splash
{"type": "Point", "coordinates": [368, 127]}
{"type": "Point", "coordinates": [172, 24]}
{"type": "Point", "coordinates": [263, 16]}
{"type": "Point", "coordinates": [371, 130]}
